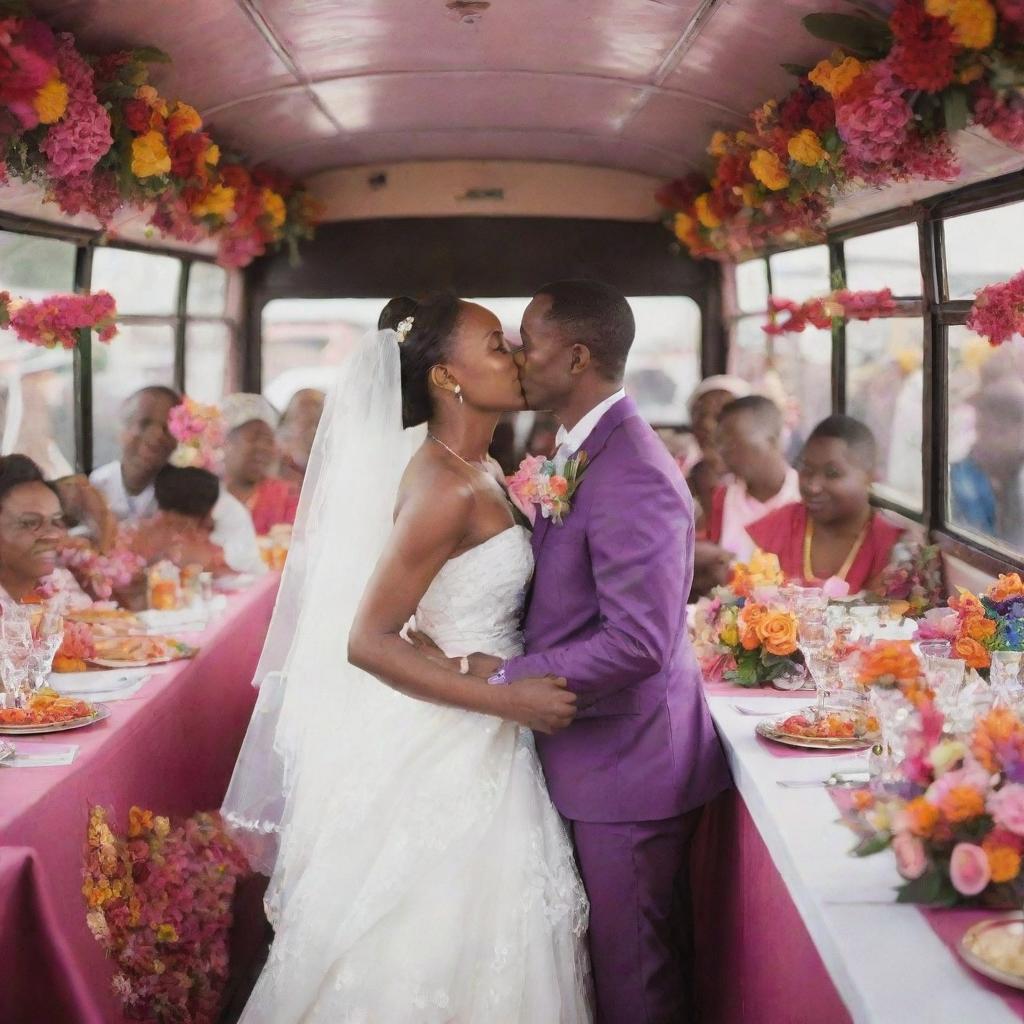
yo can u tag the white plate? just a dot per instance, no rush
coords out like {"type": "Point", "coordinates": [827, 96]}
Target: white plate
{"type": "Point", "coordinates": [81, 684]}
{"type": "Point", "coordinates": [101, 711]}
{"type": "Point", "coordinates": [972, 955]}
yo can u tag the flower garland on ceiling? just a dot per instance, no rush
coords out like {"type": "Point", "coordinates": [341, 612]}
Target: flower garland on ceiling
{"type": "Point", "coordinates": [878, 111]}
{"type": "Point", "coordinates": [98, 138]}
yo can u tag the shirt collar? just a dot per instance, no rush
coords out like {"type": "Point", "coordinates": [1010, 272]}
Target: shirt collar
{"type": "Point", "coordinates": [570, 440]}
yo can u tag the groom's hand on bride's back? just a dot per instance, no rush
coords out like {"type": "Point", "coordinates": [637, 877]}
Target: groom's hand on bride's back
{"type": "Point", "coordinates": [543, 704]}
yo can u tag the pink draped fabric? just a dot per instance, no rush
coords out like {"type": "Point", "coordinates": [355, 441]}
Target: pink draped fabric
{"type": "Point", "coordinates": [781, 533]}
{"type": "Point", "coordinates": [171, 750]}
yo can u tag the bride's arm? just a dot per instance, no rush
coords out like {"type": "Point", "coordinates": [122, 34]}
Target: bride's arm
{"type": "Point", "coordinates": [430, 526]}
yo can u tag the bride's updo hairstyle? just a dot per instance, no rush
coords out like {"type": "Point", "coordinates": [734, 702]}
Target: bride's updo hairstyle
{"type": "Point", "coordinates": [426, 344]}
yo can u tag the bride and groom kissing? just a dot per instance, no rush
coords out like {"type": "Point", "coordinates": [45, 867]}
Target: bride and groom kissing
{"type": "Point", "coordinates": [391, 778]}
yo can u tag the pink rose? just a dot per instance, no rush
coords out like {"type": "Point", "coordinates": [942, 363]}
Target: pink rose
{"type": "Point", "coordinates": [1007, 808]}
{"type": "Point", "coordinates": [524, 505]}
{"type": "Point", "coordinates": [968, 869]}
{"type": "Point", "coordinates": [835, 588]}
{"type": "Point", "coordinates": [911, 860]}
{"type": "Point", "coordinates": [937, 624]}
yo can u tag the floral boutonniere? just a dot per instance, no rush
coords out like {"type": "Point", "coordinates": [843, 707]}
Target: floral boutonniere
{"type": "Point", "coordinates": [536, 484]}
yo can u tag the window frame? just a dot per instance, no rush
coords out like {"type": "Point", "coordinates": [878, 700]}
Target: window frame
{"type": "Point", "coordinates": [86, 242]}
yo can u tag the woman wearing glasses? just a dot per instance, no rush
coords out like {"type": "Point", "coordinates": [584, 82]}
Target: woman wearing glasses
{"type": "Point", "coordinates": [32, 529]}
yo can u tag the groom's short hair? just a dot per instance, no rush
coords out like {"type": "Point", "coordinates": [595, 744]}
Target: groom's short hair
{"type": "Point", "coordinates": [596, 315]}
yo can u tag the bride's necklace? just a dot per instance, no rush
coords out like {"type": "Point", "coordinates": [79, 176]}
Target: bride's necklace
{"type": "Point", "coordinates": [451, 451]}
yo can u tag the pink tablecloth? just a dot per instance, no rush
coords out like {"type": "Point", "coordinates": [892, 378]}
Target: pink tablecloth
{"type": "Point", "coordinates": [755, 959]}
{"type": "Point", "coordinates": [170, 749]}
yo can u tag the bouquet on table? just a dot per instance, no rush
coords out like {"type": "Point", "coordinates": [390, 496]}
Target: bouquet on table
{"type": "Point", "coordinates": [741, 634]}
{"type": "Point", "coordinates": [976, 626]}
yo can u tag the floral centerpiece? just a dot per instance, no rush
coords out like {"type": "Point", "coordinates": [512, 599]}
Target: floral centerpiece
{"type": "Point", "coordinates": [739, 635]}
{"type": "Point", "coordinates": [913, 580]}
{"type": "Point", "coordinates": [957, 828]}
{"type": "Point", "coordinates": [159, 902]}
{"type": "Point", "coordinates": [977, 626]}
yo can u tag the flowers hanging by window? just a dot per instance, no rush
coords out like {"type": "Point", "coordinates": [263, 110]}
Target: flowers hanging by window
{"type": "Point", "coordinates": [998, 310]}
{"type": "Point", "coordinates": [821, 312]}
{"type": "Point", "coordinates": [56, 320]}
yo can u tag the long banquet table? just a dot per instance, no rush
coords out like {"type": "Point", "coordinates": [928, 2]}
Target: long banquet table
{"type": "Point", "coordinates": [793, 930]}
{"type": "Point", "coordinates": [169, 749]}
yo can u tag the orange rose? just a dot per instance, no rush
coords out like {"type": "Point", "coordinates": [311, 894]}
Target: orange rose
{"type": "Point", "coordinates": [971, 651]}
{"type": "Point", "coordinates": [979, 629]}
{"type": "Point", "coordinates": [961, 803]}
{"type": "Point", "coordinates": [921, 816]}
{"type": "Point", "coordinates": [1003, 862]}
{"type": "Point", "coordinates": [558, 486]}
{"type": "Point", "coordinates": [1000, 728]}
{"type": "Point", "coordinates": [750, 616]}
{"type": "Point", "coordinates": [1006, 586]}
{"type": "Point", "coordinates": [777, 631]}
{"type": "Point", "coordinates": [890, 663]}
{"type": "Point", "coordinates": [966, 604]}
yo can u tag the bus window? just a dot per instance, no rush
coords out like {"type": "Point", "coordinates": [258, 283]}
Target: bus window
{"type": "Point", "coordinates": [885, 259]}
{"type": "Point", "coordinates": [752, 286]}
{"type": "Point", "coordinates": [885, 389]}
{"type": "Point", "coordinates": [143, 283]}
{"type": "Point", "coordinates": [985, 439]}
{"type": "Point", "coordinates": [36, 392]}
{"type": "Point", "coordinates": [141, 354]}
{"type": "Point", "coordinates": [983, 248]}
{"type": "Point", "coordinates": [801, 273]}
{"type": "Point", "coordinates": [207, 290]}
{"type": "Point", "coordinates": [208, 360]}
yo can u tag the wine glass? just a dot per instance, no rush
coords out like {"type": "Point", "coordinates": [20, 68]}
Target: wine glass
{"type": "Point", "coordinates": [812, 634]}
{"type": "Point", "coordinates": [946, 677]}
{"type": "Point", "coordinates": [47, 636]}
{"type": "Point", "coordinates": [16, 651]}
{"type": "Point", "coordinates": [935, 648]}
{"type": "Point", "coordinates": [894, 712]}
{"type": "Point", "coordinates": [1005, 677]}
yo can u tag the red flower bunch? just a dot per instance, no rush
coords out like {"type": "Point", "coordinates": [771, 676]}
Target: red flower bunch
{"type": "Point", "coordinates": [923, 50]}
{"type": "Point", "coordinates": [820, 312]}
{"type": "Point", "coordinates": [57, 319]}
{"type": "Point", "coordinates": [998, 310]}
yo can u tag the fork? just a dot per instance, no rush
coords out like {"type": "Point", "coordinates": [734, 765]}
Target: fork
{"type": "Point", "coordinates": [753, 711]}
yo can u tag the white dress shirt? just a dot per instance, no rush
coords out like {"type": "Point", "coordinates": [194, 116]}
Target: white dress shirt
{"type": "Point", "coordinates": [232, 523]}
{"type": "Point", "coordinates": [569, 441]}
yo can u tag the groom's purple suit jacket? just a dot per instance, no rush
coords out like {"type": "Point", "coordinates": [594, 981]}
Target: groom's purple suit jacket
{"type": "Point", "coordinates": [608, 612]}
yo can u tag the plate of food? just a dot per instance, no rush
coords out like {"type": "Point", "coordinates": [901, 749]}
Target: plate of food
{"type": "Point", "coordinates": [138, 651]}
{"type": "Point", "coordinates": [995, 948]}
{"type": "Point", "coordinates": [831, 729]}
{"type": "Point", "coordinates": [48, 711]}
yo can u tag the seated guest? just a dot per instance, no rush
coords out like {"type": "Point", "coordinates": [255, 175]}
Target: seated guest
{"type": "Point", "coordinates": [32, 530]}
{"type": "Point", "coordinates": [749, 439]}
{"type": "Point", "coordinates": [706, 403]}
{"type": "Point", "coordinates": [833, 531]}
{"type": "Point", "coordinates": [296, 432]}
{"type": "Point", "coordinates": [146, 445]}
{"type": "Point", "coordinates": [180, 530]}
{"type": "Point", "coordinates": [250, 451]}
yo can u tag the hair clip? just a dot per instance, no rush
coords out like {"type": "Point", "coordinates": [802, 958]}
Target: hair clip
{"type": "Point", "coordinates": [404, 327]}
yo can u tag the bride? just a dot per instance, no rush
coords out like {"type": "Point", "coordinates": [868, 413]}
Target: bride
{"type": "Point", "coordinates": [419, 872]}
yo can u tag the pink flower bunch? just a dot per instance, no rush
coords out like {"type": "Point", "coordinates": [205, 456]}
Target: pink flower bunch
{"type": "Point", "coordinates": [57, 319]}
{"type": "Point", "coordinates": [199, 431]}
{"type": "Point", "coordinates": [95, 193]}
{"type": "Point", "coordinates": [1001, 114]}
{"type": "Point", "coordinates": [820, 312]}
{"type": "Point", "coordinates": [28, 57]}
{"type": "Point", "coordinates": [160, 904]}
{"type": "Point", "coordinates": [872, 115]}
{"type": "Point", "coordinates": [238, 249]}
{"type": "Point", "coordinates": [998, 310]}
{"type": "Point", "coordinates": [98, 574]}
{"type": "Point", "coordinates": [75, 144]}
{"type": "Point", "coordinates": [173, 219]}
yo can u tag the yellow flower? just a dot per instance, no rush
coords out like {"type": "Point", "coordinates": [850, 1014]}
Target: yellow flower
{"type": "Point", "coordinates": [149, 155]}
{"type": "Point", "coordinates": [161, 826]}
{"type": "Point", "coordinates": [805, 148]}
{"type": "Point", "coordinates": [139, 821]}
{"type": "Point", "coordinates": [730, 635]}
{"type": "Point", "coordinates": [702, 206]}
{"type": "Point", "coordinates": [213, 154]}
{"type": "Point", "coordinates": [51, 101]}
{"type": "Point", "coordinates": [749, 195]}
{"type": "Point", "coordinates": [166, 933]}
{"type": "Point", "coordinates": [768, 169]}
{"type": "Point", "coordinates": [835, 79]}
{"type": "Point", "coordinates": [939, 8]}
{"type": "Point", "coordinates": [719, 144]}
{"type": "Point", "coordinates": [971, 73]}
{"type": "Point", "coordinates": [152, 98]}
{"type": "Point", "coordinates": [218, 202]}
{"type": "Point", "coordinates": [685, 228]}
{"type": "Point", "coordinates": [183, 121]}
{"type": "Point", "coordinates": [744, 138]}
{"type": "Point", "coordinates": [273, 207]}
{"type": "Point", "coordinates": [973, 21]}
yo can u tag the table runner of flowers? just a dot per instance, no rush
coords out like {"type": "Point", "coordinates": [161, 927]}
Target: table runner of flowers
{"type": "Point", "coordinates": [98, 137]}
{"type": "Point", "coordinates": [880, 109]}
{"type": "Point", "coordinates": [159, 902]}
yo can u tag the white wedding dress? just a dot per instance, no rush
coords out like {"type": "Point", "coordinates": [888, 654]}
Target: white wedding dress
{"type": "Point", "coordinates": [431, 881]}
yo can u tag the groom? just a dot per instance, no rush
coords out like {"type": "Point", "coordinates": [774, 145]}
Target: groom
{"type": "Point", "coordinates": [608, 612]}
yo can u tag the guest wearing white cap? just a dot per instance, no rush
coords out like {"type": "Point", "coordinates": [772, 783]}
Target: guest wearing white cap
{"type": "Point", "coordinates": [146, 445]}
{"type": "Point", "coordinates": [250, 453]}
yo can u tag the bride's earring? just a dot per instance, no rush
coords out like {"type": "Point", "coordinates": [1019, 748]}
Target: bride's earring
{"type": "Point", "coordinates": [458, 392]}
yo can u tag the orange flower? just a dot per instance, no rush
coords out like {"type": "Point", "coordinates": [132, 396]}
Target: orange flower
{"type": "Point", "coordinates": [139, 821]}
{"type": "Point", "coordinates": [922, 817]}
{"type": "Point", "coordinates": [749, 619]}
{"type": "Point", "coordinates": [966, 605]}
{"type": "Point", "coordinates": [183, 121]}
{"type": "Point", "coordinates": [979, 629]}
{"type": "Point", "coordinates": [863, 799]}
{"type": "Point", "coordinates": [891, 663]}
{"type": "Point", "coordinates": [1003, 861]}
{"type": "Point", "coordinates": [777, 631]}
{"type": "Point", "coordinates": [971, 651]}
{"type": "Point", "coordinates": [558, 486]}
{"type": "Point", "coordinates": [1005, 587]}
{"type": "Point", "coordinates": [1000, 728]}
{"type": "Point", "coordinates": [961, 803]}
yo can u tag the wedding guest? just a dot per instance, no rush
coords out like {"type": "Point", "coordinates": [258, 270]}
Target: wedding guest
{"type": "Point", "coordinates": [296, 432]}
{"type": "Point", "coordinates": [32, 530]}
{"type": "Point", "coordinates": [250, 450]}
{"type": "Point", "coordinates": [706, 403]}
{"type": "Point", "coordinates": [146, 445]}
{"type": "Point", "coordinates": [749, 438]}
{"type": "Point", "coordinates": [833, 530]}
{"type": "Point", "coordinates": [181, 529]}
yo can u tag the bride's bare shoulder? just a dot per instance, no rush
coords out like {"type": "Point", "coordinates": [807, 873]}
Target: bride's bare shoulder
{"type": "Point", "coordinates": [433, 488]}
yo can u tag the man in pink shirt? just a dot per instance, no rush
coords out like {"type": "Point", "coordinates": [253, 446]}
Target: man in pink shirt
{"type": "Point", "coordinates": [749, 439]}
